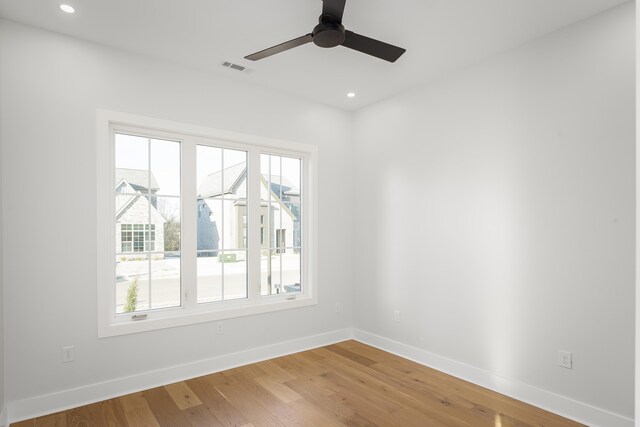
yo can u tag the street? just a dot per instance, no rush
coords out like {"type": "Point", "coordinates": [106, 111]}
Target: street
{"type": "Point", "coordinates": [164, 290]}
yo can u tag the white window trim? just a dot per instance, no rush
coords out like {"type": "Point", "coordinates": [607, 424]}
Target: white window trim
{"type": "Point", "coordinates": [110, 324]}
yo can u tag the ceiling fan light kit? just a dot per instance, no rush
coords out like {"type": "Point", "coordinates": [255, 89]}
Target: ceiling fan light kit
{"type": "Point", "coordinates": [331, 33]}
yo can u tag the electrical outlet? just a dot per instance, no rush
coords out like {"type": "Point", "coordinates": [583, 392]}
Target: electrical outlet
{"type": "Point", "coordinates": [219, 328]}
{"type": "Point", "coordinates": [338, 307]}
{"type": "Point", "coordinates": [564, 359]}
{"type": "Point", "coordinates": [68, 354]}
{"type": "Point", "coordinates": [396, 315]}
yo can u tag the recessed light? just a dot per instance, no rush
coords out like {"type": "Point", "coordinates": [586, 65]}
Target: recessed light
{"type": "Point", "coordinates": [67, 8]}
{"type": "Point", "coordinates": [351, 94]}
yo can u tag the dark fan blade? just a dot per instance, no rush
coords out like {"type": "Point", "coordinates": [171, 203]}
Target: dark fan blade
{"type": "Point", "coordinates": [372, 47]}
{"type": "Point", "coordinates": [333, 8]}
{"type": "Point", "coordinates": [280, 48]}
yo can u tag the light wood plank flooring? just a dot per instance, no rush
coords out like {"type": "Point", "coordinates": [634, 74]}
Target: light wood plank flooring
{"type": "Point", "coordinates": [345, 384]}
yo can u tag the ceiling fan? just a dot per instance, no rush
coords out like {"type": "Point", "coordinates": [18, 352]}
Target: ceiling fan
{"type": "Point", "coordinates": [330, 33]}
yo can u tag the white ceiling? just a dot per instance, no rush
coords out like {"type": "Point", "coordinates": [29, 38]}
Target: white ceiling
{"type": "Point", "coordinates": [439, 35]}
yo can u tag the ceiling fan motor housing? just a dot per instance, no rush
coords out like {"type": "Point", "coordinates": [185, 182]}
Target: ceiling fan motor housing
{"type": "Point", "coordinates": [328, 33]}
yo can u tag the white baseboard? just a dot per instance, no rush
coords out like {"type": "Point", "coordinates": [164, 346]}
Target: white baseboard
{"type": "Point", "coordinates": [66, 399]}
{"type": "Point", "coordinates": [564, 406]}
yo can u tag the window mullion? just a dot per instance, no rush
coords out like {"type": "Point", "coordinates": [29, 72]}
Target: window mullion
{"type": "Point", "coordinates": [188, 224]}
{"type": "Point", "coordinates": [253, 223]}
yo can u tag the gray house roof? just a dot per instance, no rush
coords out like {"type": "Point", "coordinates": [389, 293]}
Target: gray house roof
{"type": "Point", "coordinates": [211, 186]}
{"type": "Point", "coordinates": [137, 178]}
{"type": "Point", "coordinates": [287, 186]}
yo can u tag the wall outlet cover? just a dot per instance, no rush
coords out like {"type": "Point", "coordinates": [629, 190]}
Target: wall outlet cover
{"type": "Point", "coordinates": [68, 354]}
{"type": "Point", "coordinates": [565, 359]}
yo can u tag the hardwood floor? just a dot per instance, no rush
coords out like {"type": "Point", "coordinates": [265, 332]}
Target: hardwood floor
{"type": "Point", "coordinates": [345, 384]}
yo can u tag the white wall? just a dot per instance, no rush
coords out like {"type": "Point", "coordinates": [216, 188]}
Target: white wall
{"type": "Point", "coordinates": [2, 368]}
{"type": "Point", "coordinates": [637, 307]}
{"type": "Point", "coordinates": [514, 180]}
{"type": "Point", "coordinates": [496, 212]}
{"type": "Point", "coordinates": [51, 86]}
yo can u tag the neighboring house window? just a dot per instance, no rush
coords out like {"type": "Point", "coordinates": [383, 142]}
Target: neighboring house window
{"type": "Point", "coordinates": [261, 230]}
{"type": "Point", "coordinates": [126, 237]}
{"type": "Point", "coordinates": [243, 231]}
{"type": "Point", "coordinates": [138, 237]}
{"type": "Point", "coordinates": [281, 239]}
{"type": "Point", "coordinates": [240, 244]}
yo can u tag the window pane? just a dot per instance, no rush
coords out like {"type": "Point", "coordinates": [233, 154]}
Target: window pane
{"type": "Point", "coordinates": [209, 224]}
{"type": "Point", "coordinates": [265, 168]}
{"type": "Point", "coordinates": [166, 219]}
{"type": "Point", "coordinates": [165, 167]}
{"type": "Point", "coordinates": [265, 259]}
{"type": "Point", "coordinates": [147, 223]}
{"type": "Point", "coordinates": [222, 190]}
{"type": "Point", "coordinates": [132, 164]}
{"type": "Point", "coordinates": [264, 189]}
{"type": "Point", "coordinates": [233, 158]}
{"type": "Point", "coordinates": [275, 175]}
{"type": "Point", "coordinates": [282, 226]}
{"type": "Point", "coordinates": [222, 276]}
{"type": "Point", "coordinates": [280, 264]}
{"type": "Point", "coordinates": [132, 283]}
{"type": "Point", "coordinates": [215, 184]}
{"type": "Point", "coordinates": [264, 164]}
{"type": "Point", "coordinates": [271, 281]}
{"type": "Point", "coordinates": [235, 274]}
{"type": "Point", "coordinates": [209, 171]}
{"type": "Point", "coordinates": [291, 185]}
{"type": "Point", "coordinates": [290, 176]}
{"type": "Point", "coordinates": [209, 277]}
{"type": "Point", "coordinates": [296, 212]}
{"type": "Point", "coordinates": [291, 270]}
{"type": "Point", "coordinates": [165, 280]}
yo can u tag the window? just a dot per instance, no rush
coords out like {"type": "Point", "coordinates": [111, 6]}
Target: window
{"type": "Point", "coordinates": [221, 175]}
{"type": "Point", "coordinates": [282, 183]}
{"type": "Point", "coordinates": [208, 225]}
{"type": "Point", "coordinates": [147, 205]}
{"type": "Point", "coordinates": [138, 237]}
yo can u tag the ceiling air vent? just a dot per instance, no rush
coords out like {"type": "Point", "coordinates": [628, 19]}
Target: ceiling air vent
{"type": "Point", "coordinates": [234, 66]}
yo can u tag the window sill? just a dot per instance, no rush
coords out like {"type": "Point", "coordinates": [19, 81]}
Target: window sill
{"type": "Point", "coordinates": [170, 318]}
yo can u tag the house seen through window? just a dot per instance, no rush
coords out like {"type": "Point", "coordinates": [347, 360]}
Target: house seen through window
{"type": "Point", "coordinates": [242, 238]}
{"type": "Point", "coordinates": [147, 175]}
